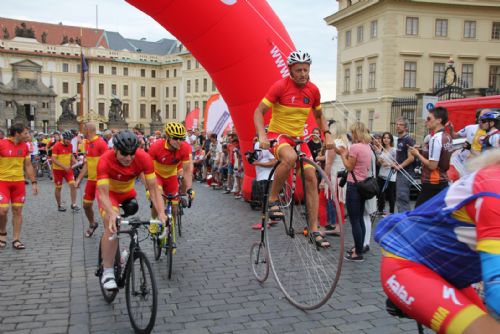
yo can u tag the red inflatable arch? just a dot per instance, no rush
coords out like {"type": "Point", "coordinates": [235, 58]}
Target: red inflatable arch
{"type": "Point", "coordinates": [242, 45]}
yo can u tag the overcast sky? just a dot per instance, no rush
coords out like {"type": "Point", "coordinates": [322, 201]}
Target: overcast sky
{"type": "Point", "coordinates": [302, 18]}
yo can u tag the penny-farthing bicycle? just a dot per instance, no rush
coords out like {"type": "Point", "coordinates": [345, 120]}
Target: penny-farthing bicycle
{"type": "Point", "coordinates": [306, 273]}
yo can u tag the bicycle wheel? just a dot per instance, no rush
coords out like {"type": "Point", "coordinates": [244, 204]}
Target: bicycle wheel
{"type": "Point", "coordinates": [306, 274]}
{"type": "Point", "coordinates": [169, 253]}
{"type": "Point", "coordinates": [178, 219]}
{"type": "Point", "coordinates": [141, 294]}
{"type": "Point", "coordinates": [109, 295]}
{"type": "Point", "coordinates": [156, 246]}
{"type": "Point", "coordinates": [260, 261]}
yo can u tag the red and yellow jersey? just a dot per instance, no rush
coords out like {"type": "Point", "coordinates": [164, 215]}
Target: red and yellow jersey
{"type": "Point", "coordinates": [12, 159]}
{"type": "Point", "coordinates": [94, 147]}
{"type": "Point", "coordinates": [63, 154]}
{"type": "Point", "coordinates": [121, 178]}
{"type": "Point", "coordinates": [167, 162]}
{"type": "Point", "coordinates": [291, 106]}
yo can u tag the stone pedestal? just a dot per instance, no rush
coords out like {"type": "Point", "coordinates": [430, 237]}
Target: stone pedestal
{"type": "Point", "coordinates": [117, 124]}
{"type": "Point", "coordinates": [67, 124]}
{"type": "Point", "coordinates": [156, 126]}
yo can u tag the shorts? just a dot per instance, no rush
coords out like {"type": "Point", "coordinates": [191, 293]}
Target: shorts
{"type": "Point", "coordinates": [59, 174]}
{"type": "Point", "coordinates": [116, 199]}
{"type": "Point", "coordinates": [12, 191]}
{"type": "Point", "coordinates": [170, 185]}
{"type": "Point", "coordinates": [283, 141]}
{"type": "Point", "coordinates": [90, 191]}
{"type": "Point", "coordinates": [427, 297]}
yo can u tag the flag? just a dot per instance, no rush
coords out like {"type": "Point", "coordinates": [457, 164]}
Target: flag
{"type": "Point", "coordinates": [83, 68]}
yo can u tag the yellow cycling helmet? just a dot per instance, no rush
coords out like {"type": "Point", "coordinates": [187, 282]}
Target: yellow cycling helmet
{"type": "Point", "coordinates": [175, 130]}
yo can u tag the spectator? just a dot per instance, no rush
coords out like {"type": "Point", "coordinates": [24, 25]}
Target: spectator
{"type": "Point", "coordinates": [403, 165]}
{"type": "Point", "coordinates": [333, 167]}
{"type": "Point", "coordinates": [357, 161]}
{"type": "Point", "coordinates": [472, 134]}
{"type": "Point", "coordinates": [198, 162]}
{"type": "Point", "coordinates": [490, 122]}
{"type": "Point", "coordinates": [315, 143]}
{"type": "Point", "coordinates": [370, 204]}
{"type": "Point", "coordinates": [238, 168]}
{"type": "Point", "coordinates": [108, 137]}
{"type": "Point", "coordinates": [191, 139]}
{"type": "Point", "coordinates": [435, 156]}
{"type": "Point", "coordinates": [387, 174]}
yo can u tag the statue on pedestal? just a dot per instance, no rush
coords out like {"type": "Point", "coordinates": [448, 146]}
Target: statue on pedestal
{"type": "Point", "coordinates": [67, 109]}
{"type": "Point", "coordinates": [115, 115]}
{"type": "Point", "coordinates": [156, 123]}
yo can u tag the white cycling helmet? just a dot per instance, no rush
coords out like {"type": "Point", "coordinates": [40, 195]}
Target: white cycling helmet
{"type": "Point", "coordinates": [299, 57]}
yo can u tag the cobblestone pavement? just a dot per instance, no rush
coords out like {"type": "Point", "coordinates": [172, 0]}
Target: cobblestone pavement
{"type": "Point", "coordinates": [50, 287]}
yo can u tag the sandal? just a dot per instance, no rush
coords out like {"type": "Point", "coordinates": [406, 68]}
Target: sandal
{"type": "Point", "coordinates": [90, 231]}
{"type": "Point", "coordinates": [331, 230]}
{"type": "Point", "coordinates": [16, 244]}
{"type": "Point", "coordinates": [3, 243]}
{"type": "Point", "coordinates": [321, 242]}
{"type": "Point", "coordinates": [275, 213]}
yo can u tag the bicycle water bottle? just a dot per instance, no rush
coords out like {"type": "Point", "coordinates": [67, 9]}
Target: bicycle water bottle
{"type": "Point", "coordinates": [123, 257]}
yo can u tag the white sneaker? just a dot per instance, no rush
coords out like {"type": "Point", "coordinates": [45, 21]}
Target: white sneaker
{"type": "Point", "coordinates": [108, 281]}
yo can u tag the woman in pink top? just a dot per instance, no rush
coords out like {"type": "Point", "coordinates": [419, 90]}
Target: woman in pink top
{"type": "Point", "coordinates": [356, 160]}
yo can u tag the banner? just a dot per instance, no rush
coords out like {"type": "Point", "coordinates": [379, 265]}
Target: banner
{"type": "Point", "coordinates": [192, 119]}
{"type": "Point", "coordinates": [216, 115]}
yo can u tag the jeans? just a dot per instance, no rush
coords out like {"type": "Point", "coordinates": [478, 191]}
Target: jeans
{"type": "Point", "coordinates": [403, 192]}
{"type": "Point", "coordinates": [355, 208]}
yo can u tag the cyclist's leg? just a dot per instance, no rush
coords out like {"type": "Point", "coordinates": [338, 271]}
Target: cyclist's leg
{"type": "Point", "coordinates": [108, 247]}
{"type": "Point", "coordinates": [18, 192]}
{"type": "Point", "coordinates": [88, 201]}
{"type": "Point", "coordinates": [58, 177]}
{"type": "Point", "coordinates": [70, 180]}
{"type": "Point", "coordinates": [432, 301]}
{"type": "Point", "coordinates": [287, 157]}
{"type": "Point", "coordinates": [4, 210]}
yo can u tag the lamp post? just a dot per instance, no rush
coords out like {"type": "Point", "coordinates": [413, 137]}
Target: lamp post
{"type": "Point", "coordinates": [450, 76]}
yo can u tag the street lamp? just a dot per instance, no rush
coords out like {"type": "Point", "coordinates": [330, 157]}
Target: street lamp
{"type": "Point", "coordinates": [450, 76]}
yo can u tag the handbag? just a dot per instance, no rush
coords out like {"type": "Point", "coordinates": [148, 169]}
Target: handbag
{"type": "Point", "coordinates": [368, 188]}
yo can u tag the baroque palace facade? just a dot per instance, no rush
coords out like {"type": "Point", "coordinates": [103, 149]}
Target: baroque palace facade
{"type": "Point", "coordinates": [40, 66]}
{"type": "Point", "coordinates": [390, 51]}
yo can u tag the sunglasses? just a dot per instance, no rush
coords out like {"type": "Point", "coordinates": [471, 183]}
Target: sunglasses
{"type": "Point", "coordinates": [125, 154]}
{"type": "Point", "coordinates": [177, 139]}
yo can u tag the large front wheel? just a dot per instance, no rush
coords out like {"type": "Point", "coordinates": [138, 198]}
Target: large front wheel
{"type": "Point", "coordinates": [306, 273]}
{"type": "Point", "coordinates": [141, 294]}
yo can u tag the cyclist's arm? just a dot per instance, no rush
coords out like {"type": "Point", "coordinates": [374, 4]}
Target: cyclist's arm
{"type": "Point", "coordinates": [30, 172]}
{"type": "Point", "coordinates": [258, 119]}
{"type": "Point", "coordinates": [103, 189]}
{"type": "Point", "coordinates": [187, 166]}
{"type": "Point", "coordinates": [156, 197]}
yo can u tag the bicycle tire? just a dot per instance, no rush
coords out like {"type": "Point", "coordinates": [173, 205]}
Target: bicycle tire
{"type": "Point", "coordinates": [109, 295]}
{"type": "Point", "coordinates": [146, 292]}
{"type": "Point", "coordinates": [178, 220]}
{"type": "Point", "coordinates": [260, 261]}
{"type": "Point", "coordinates": [169, 253]}
{"type": "Point", "coordinates": [156, 246]}
{"type": "Point", "coordinates": [306, 274]}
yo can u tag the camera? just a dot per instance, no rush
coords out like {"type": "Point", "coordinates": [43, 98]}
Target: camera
{"type": "Point", "coordinates": [343, 177]}
{"type": "Point", "coordinates": [252, 156]}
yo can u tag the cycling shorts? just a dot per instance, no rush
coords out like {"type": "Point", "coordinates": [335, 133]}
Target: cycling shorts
{"type": "Point", "coordinates": [90, 191]}
{"type": "Point", "coordinates": [286, 141]}
{"type": "Point", "coordinates": [60, 174]}
{"type": "Point", "coordinates": [426, 297]}
{"type": "Point", "coordinates": [170, 185]}
{"type": "Point", "coordinates": [116, 199]}
{"type": "Point", "coordinates": [12, 191]}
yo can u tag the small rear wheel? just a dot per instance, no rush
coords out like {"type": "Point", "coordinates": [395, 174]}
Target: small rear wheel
{"type": "Point", "coordinates": [141, 294]}
{"type": "Point", "coordinates": [260, 261]}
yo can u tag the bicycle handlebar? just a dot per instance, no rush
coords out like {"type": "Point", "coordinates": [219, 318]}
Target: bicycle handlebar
{"type": "Point", "coordinates": [136, 223]}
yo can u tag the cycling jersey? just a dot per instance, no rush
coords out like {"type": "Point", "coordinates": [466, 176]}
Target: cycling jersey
{"type": "Point", "coordinates": [12, 159]}
{"type": "Point", "coordinates": [94, 147]}
{"type": "Point", "coordinates": [291, 106]}
{"type": "Point", "coordinates": [63, 154]}
{"type": "Point", "coordinates": [167, 163]}
{"type": "Point", "coordinates": [121, 179]}
{"type": "Point", "coordinates": [433, 253]}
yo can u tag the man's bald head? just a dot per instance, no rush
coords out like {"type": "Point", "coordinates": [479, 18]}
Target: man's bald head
{"type": "Point", "coordinates": [90, 130]}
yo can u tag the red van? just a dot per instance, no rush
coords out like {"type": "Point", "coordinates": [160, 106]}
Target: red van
{"type": "Point", "coordinates": [462, 112]}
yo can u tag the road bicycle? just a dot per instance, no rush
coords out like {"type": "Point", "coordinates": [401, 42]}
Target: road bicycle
{"type": "Point", "coordinates": [43, 166]}
{"type": "Point", "coordinates": [134, 272]}
{"type": "Point", "coordinates": [306, 273]}
{"type": "Point", "coordinates": [166, 238]}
